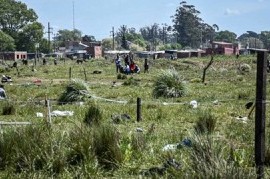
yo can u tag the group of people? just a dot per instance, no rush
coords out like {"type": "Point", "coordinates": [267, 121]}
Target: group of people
{"type": "Point", "coordinates": [129, 66]}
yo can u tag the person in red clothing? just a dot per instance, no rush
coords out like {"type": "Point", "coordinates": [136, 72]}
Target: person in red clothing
{"type": "Point", "coordinates": [132, 67]}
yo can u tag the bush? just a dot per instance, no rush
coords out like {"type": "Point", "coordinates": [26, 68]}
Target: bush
{"type": "Point", "coordinates": [121, 76]}
{"type": "Point", "coordinates": [131, 81]}
{"type": "Point", "coordinates": [93, 115]}
{"type": "Point", "coordinates": [77, 90]}
{"type": "Point", "coordinates": [106, 147]}
{"type": "Point", "coordinates": [169, 84]}
{"type": "Point", "coordinates": [8, 109]}
{"type": "Point", "coordinates": [210, 158]}
{"type": "Point", "coordinates": [206, 122]}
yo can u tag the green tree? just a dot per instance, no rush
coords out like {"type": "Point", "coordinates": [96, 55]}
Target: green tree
{"type": "Point", "coordinates": [107, 44]}
{"type": "Point", "coordinates": [14, 17]}
{"type": "Point", "coordinates": [65, 35]}
{"type": "Point", "coordinates": [187, 25]}
{"type": "Point", "coordinates": [6, 42]}
{"type": "Point", "coordinates": [226, 36]}
{"type": "Point", "coordinates": [30, 35]}
{"type": "Point", "coordinates": [44, 46]}
{"type": "Point", "coordinates": [152, 34]}
{"type": "Point", "coordinates": [88, 38]}
{"type": "Point", "coordinates": [265, 38]}
{"type": "Point", "coordinates": [122, 36]}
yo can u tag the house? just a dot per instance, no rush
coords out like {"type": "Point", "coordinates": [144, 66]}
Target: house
{"type": "Point", "coordinates": [16, 55]}
{"type": "Point", "coordinates": [190, 53]}
{"type": "Point", "coordinates": [92, 49]}
{"type": "Point", "coordinates": [223, 48]}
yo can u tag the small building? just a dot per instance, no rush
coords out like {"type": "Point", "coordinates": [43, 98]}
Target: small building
{"type": "Point", "coordinates": [93, 49]}
{"type": "Point", "coordinates": [223, 48]}
{"type": "Point", "coordinates": [16, 55]}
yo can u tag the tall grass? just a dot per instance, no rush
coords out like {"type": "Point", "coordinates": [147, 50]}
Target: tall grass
{"type": "Point", "coordinates": [106, 147]}
{"type": "Point", "coordinates": [169, 84]}
{"type": "Point", "coordinates": [76, 90]}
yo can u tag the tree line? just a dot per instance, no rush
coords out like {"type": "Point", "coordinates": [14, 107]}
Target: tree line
{"type": "Point", "coordinates": [20, 30]}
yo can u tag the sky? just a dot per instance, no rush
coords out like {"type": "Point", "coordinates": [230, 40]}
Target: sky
{"type": "Point", "coordinates": [97, 17]}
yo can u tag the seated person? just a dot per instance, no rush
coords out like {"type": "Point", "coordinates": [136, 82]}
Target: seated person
{"type": "Point", "coordinates": [2, 92]}
{"type": "Point", "coordinates": [137, 69]}
{"type": "Point", "coordinates": [132, 67]}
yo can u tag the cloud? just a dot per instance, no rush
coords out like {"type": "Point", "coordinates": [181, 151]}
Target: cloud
{"type": "Point", "coordinates": [232, 11]}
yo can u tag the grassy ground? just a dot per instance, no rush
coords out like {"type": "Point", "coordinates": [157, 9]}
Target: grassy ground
{"type": "Point", "coordinates": [164, 121]}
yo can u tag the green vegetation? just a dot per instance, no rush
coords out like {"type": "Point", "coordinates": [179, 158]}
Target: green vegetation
{"type": "Point", "coordinates": [211, 140]}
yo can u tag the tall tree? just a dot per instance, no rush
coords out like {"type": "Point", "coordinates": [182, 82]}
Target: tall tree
{"type": "Point", "coordinates": [187, 25]}
{"type": "Point", "coordinates": [88, 38]}
{"type": "Point", "coordinates": [14, 17]}
{"type": "Point", "coordinates": [226, 36]}
{"type": "Point", "coordinates": [122, 36]}
{"type": "Point", "coordinates": [6, 42]}
{"type": "Point", "coordinates": [65, 35]}
{"type": "Point", "coordinates": [265, 38]}
{"type": "Point", "coordinates": [30, 35]}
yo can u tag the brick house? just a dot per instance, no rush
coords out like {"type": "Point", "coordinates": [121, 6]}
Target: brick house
{"type": "Point", "coordinates": [16, 55]}
{"type": "Point", "coordinates": [224, 48]}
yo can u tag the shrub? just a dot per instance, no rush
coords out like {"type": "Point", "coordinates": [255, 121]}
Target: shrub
{"type": "Point", "coordinates": [77, 90]}
{"type": "Point", "coordinates": [121, 76]}
{"type": "Point", "coordinates": [210, 158]}
{"type": "Point", "coordinates": [169, 84]}
{"type": "Point", "coordinates": [106, 147]}
{"type": "Point", "coordinates": [93, 115]}
{"type": "Point", "coordinates": [131, 81]}
{"type": "Point", "coordinates": [8, 109]}
{"type": "Point", "coordinates": [244, 68]}
{"type": "Point", "coordinates": [206, 122]}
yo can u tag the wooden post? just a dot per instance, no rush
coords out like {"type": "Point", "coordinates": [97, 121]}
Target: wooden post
{"type": "Point", "coordinates": [139, 110]}
{"type": "Point", "coordinates": [260, 113]}
{"type": "Point", "coordinates": [69, 73]}
{"type": "Point", "coordinates": [85, 77]}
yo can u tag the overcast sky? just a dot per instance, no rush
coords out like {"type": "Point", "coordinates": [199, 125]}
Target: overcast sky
{"type": "Point", "coordinates": [97, 17]}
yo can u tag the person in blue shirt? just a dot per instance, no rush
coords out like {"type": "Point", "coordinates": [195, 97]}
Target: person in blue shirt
{"type": "Point", "coordinates": [118, 63]}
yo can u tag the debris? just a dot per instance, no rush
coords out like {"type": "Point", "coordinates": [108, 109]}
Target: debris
{"type": "Point", "coordinates": [39, 114]}
{"type": "Point", "coordinates": [193, 104]}
{"type": "Point", "coordinates": [57, 113]}
{"type": "Point", "coordinates": [6, 79]}
{"type": "Point", "coordinates": [216, 102]}
{"type": "Point", "coordinates": [139, 129]}
{"type": "Point", "coordinates": [119, 118]}
{"type": "Point", "coordinates": [243, 119]}
{"type": "Point", "coordinates": [169, 147]}
{"type": "Point", "coordinates": [159, 171]}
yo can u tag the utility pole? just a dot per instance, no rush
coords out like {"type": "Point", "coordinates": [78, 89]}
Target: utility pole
{"type": "Point", "coordinates": [49, 36]}
{"type": "Point", "coordinates": [113, 36]}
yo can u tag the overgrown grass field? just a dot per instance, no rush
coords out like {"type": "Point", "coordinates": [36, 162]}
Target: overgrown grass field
{"type": "Point", "coordinates": [98, 142]}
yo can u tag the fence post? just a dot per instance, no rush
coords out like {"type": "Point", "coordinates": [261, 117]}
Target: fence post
{"type": "Point", "coordinates": [139, 109]}
{"type": "Point", "coordinates": [260, 113]}
{"type": "Point", "coordinates": [85, 77]}
{"type": "Point", "coordinates": [69, 73]}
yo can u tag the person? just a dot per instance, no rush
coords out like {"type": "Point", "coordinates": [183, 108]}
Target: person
{"type": "Point", "coordinates": [2, 92]}
{"type": "Point", "coordinates": [132, 67]}
{"type": "Point", "coordinates": [118, 63]}
{"type": "Point", "coordinates": [137, 69]}
{"type": "Point", "coordinates": [146, 66]}
{"type": "Point", "coordinates": [127, 70]}
{"type": "Point", "coordinates": [55, 61]}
